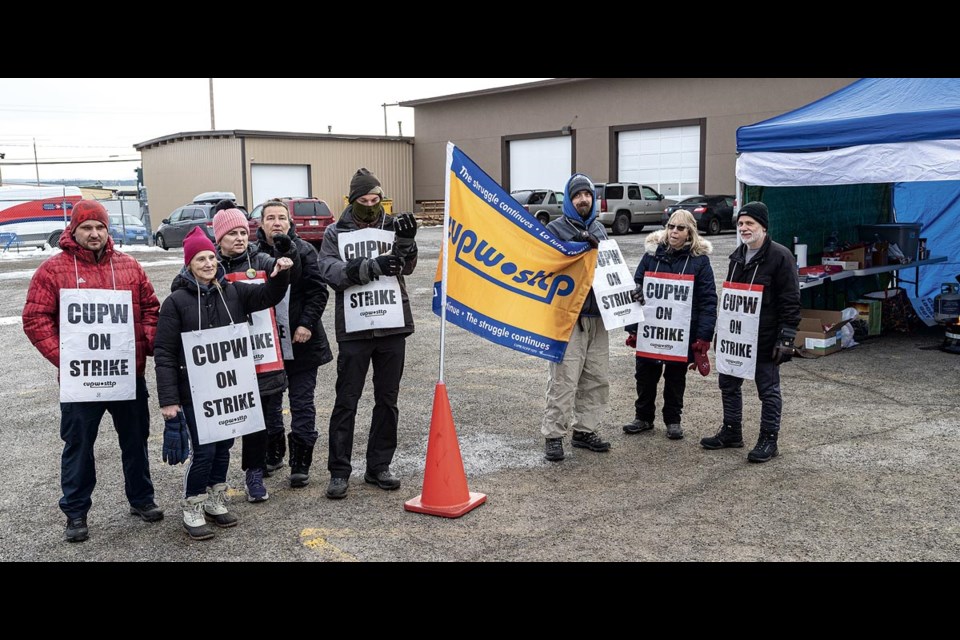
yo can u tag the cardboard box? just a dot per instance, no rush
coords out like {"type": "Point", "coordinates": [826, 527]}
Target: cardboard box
{"type": "Point", "coordinates": [846, 266]}
{"type": "Point", "coordinates": [857, 255]}
{"type": "Point", "coordinates": [870, 312]}
{"type": "Point", "coordinates": [817, 335]}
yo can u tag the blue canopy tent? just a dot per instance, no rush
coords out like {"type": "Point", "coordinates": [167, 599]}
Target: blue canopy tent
{"type": "Point", "coordinates": [903, 132]}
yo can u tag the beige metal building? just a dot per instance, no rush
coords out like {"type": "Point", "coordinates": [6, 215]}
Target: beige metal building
{"type": "Point", "coordinates": [675, 134]}
{"type": "Point", "coordinates": [259, 165]}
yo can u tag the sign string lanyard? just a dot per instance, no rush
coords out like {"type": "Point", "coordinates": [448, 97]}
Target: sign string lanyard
{"type": "Point", "coordinates": [76, 272]}
{"type": "Point", "coordinates": [200, 305]}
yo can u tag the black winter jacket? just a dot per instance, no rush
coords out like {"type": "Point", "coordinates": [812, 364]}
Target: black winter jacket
{"type": "Point", "coordinates": [308, 299]}
{"type": "Point", "coordinates": [658, 258]}
{"type": "Point", "coordinates": [191, 306]}
{"type": "Point", "coordinates": [270, 382]}
{"type": "Point", "coordinates": [333, 270]}
{"type": "Point", "coordinates": [775, 268]}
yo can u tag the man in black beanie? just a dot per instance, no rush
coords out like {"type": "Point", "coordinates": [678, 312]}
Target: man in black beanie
{"type": "Point", "coordinates": [760, 261]}
{"type": "Point", "coordinates": [344, 266]}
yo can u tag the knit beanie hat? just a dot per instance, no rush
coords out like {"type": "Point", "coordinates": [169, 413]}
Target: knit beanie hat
{"type": "Point", "coordinates": [757, 211]}
{"type": "Point", "coordinates": [195, 242]}
{"type": "Point", "coordinates": [580, 182]}
{"type": "Point", "coordinates": [88, 210]}
{"type": "Point", "coordinates": [363, 183]}
{"type": "Point", "coordinates": [228, 219]}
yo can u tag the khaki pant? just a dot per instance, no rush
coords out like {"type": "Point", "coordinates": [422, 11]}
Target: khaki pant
{"type": "Point", "coordinates": [577, 388]}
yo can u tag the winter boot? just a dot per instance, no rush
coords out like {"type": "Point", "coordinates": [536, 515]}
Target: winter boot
{"type": "Point", "coordinates": [76, 530]}
{"type": "Point", "coordinates": [637, 426]}
{"type": "Point", "coordinates": [553, 449]}
{"type": "Point", "coordinates": [766, 447]}
{"type": "Point", "coordinates": [216, 507]}
{"type": "Point", "coordinates": [301, 456]}
{"type": "Point", "coordinates": [276, 449]}
{"type": "Point", "coordinates": [589, 440]}
{"type": "Point", "coordinates": [193, 521]}
{"type": "Point", "coordinates": [727, 436]}
{"type": "Point", "coordinates": [674, 431]}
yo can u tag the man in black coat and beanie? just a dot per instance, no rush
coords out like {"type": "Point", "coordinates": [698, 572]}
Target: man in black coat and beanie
{"type": "Point", "coordinates": [761, 261]}
{"type": "Point", "coordinates": [309, 348]}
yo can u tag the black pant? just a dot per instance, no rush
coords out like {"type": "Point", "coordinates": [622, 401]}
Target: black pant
{"type": "Point", "coordinates": [387, 355]}
{"type": "Point", "coordinates": [303, 408]}
{"type": "Point", "coordinates": [675, 383]}
{"type": "Point", "coordinates": [767, 379]}
{"type": "Point", "coordinates": [208, 463]}
{"type": "Point", "coordinates": [79, 426]}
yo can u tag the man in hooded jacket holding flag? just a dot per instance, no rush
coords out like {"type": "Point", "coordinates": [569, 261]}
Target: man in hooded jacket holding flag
{"type": "Point", "coordinates": [577, 387]}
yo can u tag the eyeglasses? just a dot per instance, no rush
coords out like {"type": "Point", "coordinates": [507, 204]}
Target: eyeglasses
{"type": "Point", "coordinates": [678, 227]}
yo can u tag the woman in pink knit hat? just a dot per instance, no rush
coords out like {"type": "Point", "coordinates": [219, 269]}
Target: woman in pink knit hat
{"type": "Point", "coordinates": [236, 255]}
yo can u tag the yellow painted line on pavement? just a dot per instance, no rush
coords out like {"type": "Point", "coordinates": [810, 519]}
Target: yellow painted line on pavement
{"type": "Point", "coordinates": [317, 539]}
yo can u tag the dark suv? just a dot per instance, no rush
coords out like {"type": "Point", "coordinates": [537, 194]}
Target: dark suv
{"type": "Point", "coordinates": [310, 218]}
{"type": "Point", "coordinates": [198, 213]}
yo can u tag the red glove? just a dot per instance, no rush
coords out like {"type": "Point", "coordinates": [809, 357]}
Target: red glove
{"type": "Point", "coordinates": [631, 340]}
{"type": "Point", "coordinates": [701, 362]}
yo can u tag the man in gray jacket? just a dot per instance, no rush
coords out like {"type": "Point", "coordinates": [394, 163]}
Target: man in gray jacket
{"type": "Point", "coordinates": [577, 387]}
{"type": "Point", "coordinates": [347, 264]}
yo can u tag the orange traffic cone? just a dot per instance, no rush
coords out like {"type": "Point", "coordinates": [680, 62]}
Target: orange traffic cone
{"type": "Point", "coordinates": [445, 490]}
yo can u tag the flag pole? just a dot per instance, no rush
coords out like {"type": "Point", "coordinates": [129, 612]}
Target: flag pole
{"type": "Point", "coordinates": [444, 254]}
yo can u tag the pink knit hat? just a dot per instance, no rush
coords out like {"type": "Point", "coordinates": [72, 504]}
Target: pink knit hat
{"type": "Point", "coordinates": [226, 221]}
{"type": "Point", "coordinates": [195, 242]}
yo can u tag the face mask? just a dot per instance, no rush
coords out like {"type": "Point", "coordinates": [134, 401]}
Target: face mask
{"type": "Point", "coordinates": [365, 213]}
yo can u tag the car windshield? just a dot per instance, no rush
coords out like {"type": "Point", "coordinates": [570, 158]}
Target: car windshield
{"type": "Point", "coordinates": [128, 220]}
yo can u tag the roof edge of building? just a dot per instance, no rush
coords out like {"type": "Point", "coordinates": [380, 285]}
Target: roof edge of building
{"type": "Point", "coordinates": [492, 91]}
{"type": "Point", "coordinates": [251, 133]}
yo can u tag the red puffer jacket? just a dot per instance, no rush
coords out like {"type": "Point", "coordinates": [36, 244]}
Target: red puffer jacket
{"type": "Point", "coordinates": [41, 313]}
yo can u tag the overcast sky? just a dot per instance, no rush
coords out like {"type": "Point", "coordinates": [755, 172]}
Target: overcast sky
{"type": "Point", "coordinates": [102, 118]}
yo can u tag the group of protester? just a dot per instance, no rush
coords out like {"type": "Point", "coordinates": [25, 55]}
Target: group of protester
{"type": "Point", "coordinates": [231, 282]}
{"type": "Point", "coordinates": [224, 283]}
{"type": "Point", "coordinates": [578, 388]}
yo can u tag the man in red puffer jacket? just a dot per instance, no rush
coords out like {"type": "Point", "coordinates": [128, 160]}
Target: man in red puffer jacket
{"type": "Point", "coordinates": [89, 261]}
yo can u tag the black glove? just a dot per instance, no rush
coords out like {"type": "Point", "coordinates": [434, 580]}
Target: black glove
{"type": "Point", "coordinates": [784, 350]}
{"type": "Point", "coordinates": [586, 237]}
{"type": "Point", "coordinates": [405, 225]}
{"type": "Point", "coordinates": [386, 265]}
{"type": "Point", "coordinates": [282, 243]}
{"type": "Point", "coordinates": [637, 295]}
{"type": "Point", "coordinates": [176, 440]}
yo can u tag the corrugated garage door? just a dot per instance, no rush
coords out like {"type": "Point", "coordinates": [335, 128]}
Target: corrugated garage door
{"type": "Point", "coordinates": [541, 163]}
{"type": "Point", "coordinates": [279, 181]}
{"type": "Point", "coordinates": [666, 159]}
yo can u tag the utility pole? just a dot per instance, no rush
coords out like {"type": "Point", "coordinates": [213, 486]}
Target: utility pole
{"type": "Point", "coordinates": [213, 127]}
{"type": "Point", "coordinates": [36, 163]}
{"type": "Point", "coordinates": [385, 105]}
{"type": "Point", "coordinates": [2, 156]}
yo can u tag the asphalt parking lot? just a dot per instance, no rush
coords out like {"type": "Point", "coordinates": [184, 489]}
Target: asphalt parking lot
{"type": "Point", "coordinates": [867, 471]}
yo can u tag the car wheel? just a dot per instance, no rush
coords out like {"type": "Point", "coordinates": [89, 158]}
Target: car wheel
{"type": "Point", "coordinates": [54, 239]}
{"type": "Point", "coordinates": [543, 218]}
{"type": "Point", "coordinates": [162, 243]}
{"type": "Point", "coordinates": [713, 226]}
{"type": "Point", "coordinates": [621, 224]}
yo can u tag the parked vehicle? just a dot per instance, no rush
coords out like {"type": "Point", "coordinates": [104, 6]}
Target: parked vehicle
{"type": "Point", "coordinates": [198, 213]}
{"type": "Point", "coordinates": [712, 213]}
{"type": "Point", "coordinates": [309, 216]}
{"type": "Point", "coordinates": [127, 229]}
{"type": "Point", "coordinates": [35, 216]}
{"type": "Point", "coordinates": [543, 204]}
{"type": "Point", "coordinates": [625, 206]}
